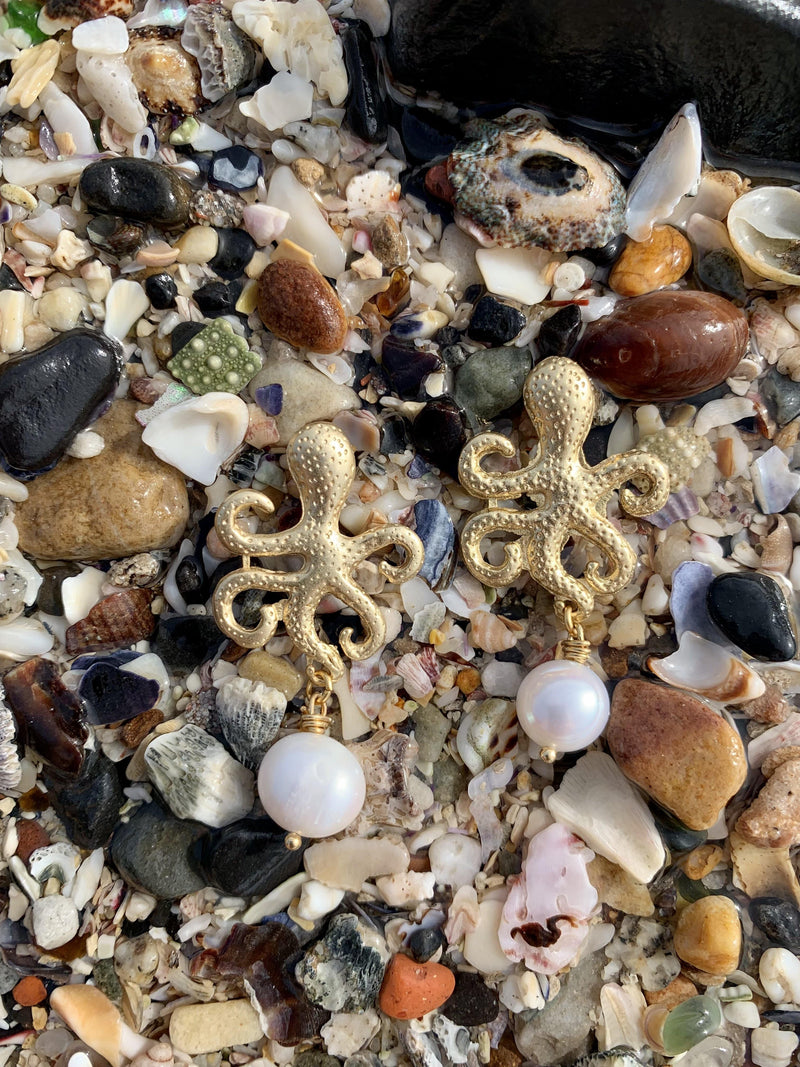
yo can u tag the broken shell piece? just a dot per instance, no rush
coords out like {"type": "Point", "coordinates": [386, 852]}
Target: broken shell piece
{"type": "Point", "coordinates": [198, 435]}
{"type": "Point", "coordinates": [773, 818]}
{"type": "Point", "coordinates": [10, 770]}
{"type": "Point", "coordinates": [597, 802]}
{"type": "Point", "coordinates": [94, 1020]}
{"type": "Point", "coordinates": [772, 1048]}
{"type": "Point", "coordinates": [226, 56]}
{"type": "Point", "coordinates": [109, 80]}
{"type": "Point", "coordinates": [167, 77]}
{"type": "Point", "coordinates": [670, 172]}
{"type": "Point", "coordinates": [774, 482]}
{"type": "Point", "coordinates": [517, 182]}
{"type": "Point", "coordinates": [250, 714]}
{"type": "Point", "coordinates": [764, 227]}
{"type": "Point", "coordinates": [709, 670]}
{"type": "Point", "coordinates": [779, 974]}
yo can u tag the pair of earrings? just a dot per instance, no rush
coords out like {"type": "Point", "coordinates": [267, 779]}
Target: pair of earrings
{"type": "Point", "coordinates": [309, 783]}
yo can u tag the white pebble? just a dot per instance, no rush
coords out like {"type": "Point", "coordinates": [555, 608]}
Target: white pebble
{"type": "Point", "coordinates": [61, 308]}
{"type": "Point", "coordinates": [779, 972]}
{"type": "Point", "coordinates": [482, 948]}
{"type": "Point", "coordinates": [518, 273]}
{"type": "Point", "coordinates": [407, 888]}
{"type": "Point", "coordinates": [455, 859]}
{"type": "Point", "coordinates": [772, 1048]}
{"type": "Point", "coordinates": [106, 37]}
{"type": "Point", "coordinates": [55, 921]}
{"type": "Point", "coordinates": [317, 900]}
{"type": "Point", "coordinates": [742, 1013]}
{"type": "Point", "coordinates": [87, 443]}
{"type": "Point", "coordinates": [656, 599]}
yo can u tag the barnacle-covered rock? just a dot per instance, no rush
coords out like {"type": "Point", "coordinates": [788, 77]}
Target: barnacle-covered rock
{"type": "Point", "coordinates": [517, 182]}
{"type": "Point", "coordinates": [215, 360]}
{"type": "Point", "coordinates": [344, 970]}
{"type": "Point", "coordinates": [167, 77]}
{"type": "Point", "coordinates": [226, 56]}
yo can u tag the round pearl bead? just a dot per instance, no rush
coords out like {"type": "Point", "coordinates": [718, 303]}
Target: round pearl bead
{"type": "Point", "coordinates": [562, 705]}
{"type": "Point", "coordinates": [311, 784]}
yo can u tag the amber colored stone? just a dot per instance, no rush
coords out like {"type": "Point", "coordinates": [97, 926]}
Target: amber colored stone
{"type": "Point", "coordinates": [136, 729]}
{"type": "Point", "coordinates": [49, 717]}
{"type": "Point", "coordinates": [664, 346]}
{"type": "Point", "coordinates": [29, 991]}
{"type": "Point", "coordinates": [30, 836]}
{"type": "Point", "coordinates": [298, 305]}
{"type": "Point", "coordinates": [677, 749]}
{"type": "Point", "coordinates": [645, 266]}
{"type": "Point", "coordinates": [410, 990]}
{"type": "Point", "coordinates": [118, 621]}
{"type": "Point", "coordinates": [708, 935]}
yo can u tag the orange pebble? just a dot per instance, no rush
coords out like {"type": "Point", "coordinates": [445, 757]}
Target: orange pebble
{"type": "Point", "coordinates": [411, 989]}
{"type": "Point", "coordinates": [29, 991]}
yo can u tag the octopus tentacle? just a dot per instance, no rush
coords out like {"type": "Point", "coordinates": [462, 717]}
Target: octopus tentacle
{"type": "Point", "coordinates": [543, 547]}
{"type": "Point", "coordinates": [503, 485]}
{"type": "Point", "coordinates": [364, 544]}
{"type": "Point", "coordinates": [271, 614]}
{"type": "Point", "coordinates": [612, 473]}
{"type": "Point", "coordinates": [299, 618]}
{"type": "Point", "coordinates": [229, 532]}
{"type": "Point", "coordinates": [371, 620]}
{"type": "Point", "coordinates": [615, 549]}
{"type": "Point", "coordinates": [485, 523]}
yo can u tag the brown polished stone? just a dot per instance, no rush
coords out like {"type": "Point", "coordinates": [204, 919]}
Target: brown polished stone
{"type": "Point", "coordinates": [296, 303]}
{"type": "Point", "coordinates": [49, 716]}
{"type": "Point", "coordinates": [645, 266]}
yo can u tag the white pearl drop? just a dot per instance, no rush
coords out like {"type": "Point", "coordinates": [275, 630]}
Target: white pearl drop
{"type": "Point", "coordinates": [562, 705]}
{"type": "Point", "coordinates": [311, 784]}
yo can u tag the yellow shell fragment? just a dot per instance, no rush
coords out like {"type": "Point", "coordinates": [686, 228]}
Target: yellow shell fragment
{"type": "Point", "coordinates": [33, 69]}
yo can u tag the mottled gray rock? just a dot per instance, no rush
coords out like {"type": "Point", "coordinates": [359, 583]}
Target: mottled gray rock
{"type": "Point", "coordinates": [344, 970]}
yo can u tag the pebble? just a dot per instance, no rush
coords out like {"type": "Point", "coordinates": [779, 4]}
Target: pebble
{"type": "Point", "coordinates": [406, 366]}
{"type": "Point", "coordinates": [123, 501]}
{"type": "Point", "coordinates": [430, 732]}
{"type": "Point", "coordinates": [199, 1029]}
{"type": "Point", "coordinates": [709, 935]}
{"type": "Point", "coordinates": [472, 1003]}
{"type": "Point", "coordinates": [235, 248]}
{"type": "Point", "coordinates": [721, 271]}
{"type": "Point", "coordinates": [410, 990]}
{"type": "Point", "coordinates": [770, 1047]}
{"type": "Point", "coordinates": [455, 859]}
{"type": "Point", "coordinates": [751, 611]}
{"type": "Point", "coordinates": [184, 642]}
{"type": "Point", "coordinates": [113, 695]}
{"type": "Point", "coordinates": [235, 169]}
{"type": "Point", "coordinates": [61, 308]}
{"type": "Point", "coordinates": [772, 820]}
{"type": "Point", "coordinates": [246, 858]}
{"type": "Point", "coordinates": [494, 323]}
{"type": "Point", "coordinates": [39, 417]}
{"type": "Point", "coordinates": [55, 921]}
{"type": "Point", "coordinates": [298, 305]}
{"type": "Point", "coordinates": [482, 948]}
{"type": "Point", "coordinates": [88, 804]}
{"type": "Point", "coordinates": [308, 395]}
{"type": "Point", "coordinates": [137, 189]}
{"type": "Point", "coordinates": [344, 969]}
{"type": "Point", "coordinates": [389, 243]}
{"type": "Point", "coordinates": [423, 943]}
{"type": "Point", "coordinates": [677, 749]}
{"type": "Point", "coordinates": [664, 346]}
{"type": "Point", "coordinates": [491, 381]}
{"type": "Point", "coordinates": [348, 863]}
{"type": "Point", "coordinates": [151, 851]}
{"type": "Point", "coordinates": [161, 290]}
{"type": "Point", "coordinates": [559, 332]}
{"type": "Point", "coordinates": [644, 266]}
{"type": "Point", "coordinates": [435, 529]}
{"type": "Point", "coordinates": [273, 671]}
{"type": "Point", "coordinates": [49, 716]}
{"type": "Point", "coordinates": [778, 920]}
{"type": "Point", "coordinates": [439, 434]}
{"type": "Point", "coordinates": [29, 991]}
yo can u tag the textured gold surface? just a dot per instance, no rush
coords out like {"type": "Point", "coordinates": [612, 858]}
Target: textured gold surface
{"type": "Point", "coordinates": [570, 497]}
{"type": "Point", "coordinates": [322, 464]}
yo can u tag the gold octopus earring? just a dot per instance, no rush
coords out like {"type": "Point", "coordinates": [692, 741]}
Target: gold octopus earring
{"type": "Point", "coordinates": [309, 783]}
{"type": "Point", "coordinates": [562, 705]}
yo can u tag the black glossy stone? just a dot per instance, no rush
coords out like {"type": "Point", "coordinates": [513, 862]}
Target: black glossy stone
{"type": "Point", "coordinates": [151, 852]}
{"type": "Point", "coordinates": [234, 169]}
{"type": "Point", "coordinates": [247, 858]}
{"type": "Point", "coordinates": [783, 394]}
{"type": "Point", "coordinates": [184, 642]}
{"type": "Point", "coordinates": [48, 396]}
{"type": "Point", "coordinates": [111, 695]}
{"type": "Point", "coordinates": [472, 1003]}
{"type": "Point", "coordinates": [394, 436]}
{"type": "Point", "coordinates": [161, 290]}
{"type": "Point", "coordinates": [183, 333]}
{"type": "Point", "coordinates": [89, 804]}
{"type": "Point", "coordinates": [676, 836]}
{"type": "Point", "coordinates": [9, 280]}
{"type": "Point", "coordinates": [439, 433]}
{"type": "Point", "coordinates": [136, 189]}
{"type": "Point", "coordinates": [494, 323]}
{"type": "Point", "coordinates": [721, 271]}
{"type": "Point", "coordinates": [623, 62]}
{"type": "Point", "coordinates": [191, 580]}
{"type": "Point", "coordinates": [218, 298]}
{"type": "Point", "coordinates": [751, 611]}
{"type": "Point", "coordinates": [405, 366]}
{"type": "Point", "coordinates": [426, 136]}
{"type": "Point", "coordinates": [365, 110]}
{"type": "Point", "coordinates": [423, 943]}
{"type": "Point", "coordinates": [606, 254]}
{"type": "Point", "coordinates": [559, 333]}
{"type": "Point", "coordinates": [234, 252]}
{"type": "Point", "coordinates": [48, 599]}
{"type": "Point", "coordinates": [778, 920]}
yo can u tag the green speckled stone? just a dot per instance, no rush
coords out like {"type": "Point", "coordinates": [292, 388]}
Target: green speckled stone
{"type": "Point", "coordinates": [215, 360]}
{"type": "Point", "coordinates": [687, 1025]}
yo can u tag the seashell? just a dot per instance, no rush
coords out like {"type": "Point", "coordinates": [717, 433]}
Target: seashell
{"type": "Point", "coordinates": [597, 802]}
{"type": "Point", "coordinates": [777, 548]}
{"type": "Point", "coordinates": [708, 670]}
{"type": "Point", "coordinates": [680, 505]}
{"type": "Point", "coordinates": [10, 769]}
{"type": "Point", "coordinates": [117, 621]}
{"type": "Point", "coordinates": [158, 1055]}
{"type": "Point", "coordinates": [306, 225]}
{"type": "Point", "coordinates": [493, 633]}
{"type": "Point", "coordinates": [166, 76]}
{"type": "Point", "coordinates": [772, 333]}
{"type": "Point", "coordinates": [764, 228]}
{"type": "Point", "coordinates": [622, 1009]}
{"type": "Point", "coordinates": [198, 435]}
{"type": "Point", "coordinates": [517, 182]}
{"type": "Point", "coordinates": [24, 637]}
{"type": "Point", "coordinates": [772, 1048]}
{"type": "Point", "coordinates": [109, 80]}
{"type": "Point", "coordinates": [435, 529]}
{"type": "Point", "coordinates": [774, 482]}
{"type": "Point", "coordinates": [197, 777]}
{"type": "Point", "coordinates": [115, 235]}
{"type": "Point", "coordinates": [687, 603]}
{"type": "Point", "coordinates": [288, 98]}
{"type": "Point", "coordinates": [94, 1020]}
{"type": "Point", "coordinates": [60, 860]}
{"type": "Point", "coordinates": [65, 116]}
{"type": "Point", "coordinates": [226, 56]}
{"type": "Point", "coordinates": [670, 172]}
{"type": "Point", "coordinates": [486, 733]}
{"type": "Point", "coordinates": [779, 974]}
{"type": "Point", "coordinates": [249, 714]}
{"type": "Point", "coordinates": [126, 302]}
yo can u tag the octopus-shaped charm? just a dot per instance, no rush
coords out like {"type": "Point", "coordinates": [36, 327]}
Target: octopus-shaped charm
{"type": "Point", "coordinates": [322, 464]}
{"type": "Point", "coordinates": [570, 497]}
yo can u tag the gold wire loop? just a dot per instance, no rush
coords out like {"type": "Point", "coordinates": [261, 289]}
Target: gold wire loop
{"type": "Point", "coordinates": [319, 689]}
{"type": "Point", "coordinates": [574, 646]}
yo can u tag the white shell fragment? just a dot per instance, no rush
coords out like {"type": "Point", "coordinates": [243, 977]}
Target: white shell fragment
{"type": "Point", "coordinates": [764, 228]}
{"type": "Point", "coordinates": [108, 79]}
{"type": "Point", "coordinates": [197, 777]}
{"type": "Point", "coordinates": [671, 171]}
{"type": "Point", "coordinates": [10, 770]}
{"type": "Point", "coordinates": [24, 637]}
{"type": "Point", "coordinates": [198, 435]}
{"type": "Point", "coordinates": [250, 714]}
{"type": "Point", "coordinates": [125, 304]}
{"type": "Point", "coordinates": [774, 482]}
{"type": "Point", "coordinates": [306, 225]}
{"type": "Point", "coordinates": [772, 1048]}
{"type": "Point", "coordinates": [597, 802]}
{"type": "Point", "coordinates": [779, 973]}
{"type": "Point", "coordinates": [517, 273]}
{"type": "Point", "coordinates": [103, 37]}
{"type": "Point", "coordinates": [55, 921]}
{"type": "Point", "coordinates": [287, 98]}
{"type": "Point", "coordinates": [708, 669]}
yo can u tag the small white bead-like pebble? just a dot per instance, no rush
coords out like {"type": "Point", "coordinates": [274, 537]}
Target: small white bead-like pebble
{"type": "Point", "coordinates": [569, 276]}
{"type": "Point", "coordinates": [742, 1013]}
{"type": "Point", "coordinates": [317, 900]}
{"type": "Point", "coordinates": [655, 600]}
{"type": "Point", "coordinates": [772, 1048]}
{"type": "Point", "coordinates": [562, 705]}
{"type": "Point", "coordinates": [55, 921]}
{"type": "Point", "coordinates": [455, 859]}
{"type": "Point", "coordinates": [779, 973]}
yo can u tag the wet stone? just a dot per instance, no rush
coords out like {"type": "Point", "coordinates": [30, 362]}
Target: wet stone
{"type": "Point", "coordinates": [314, 1058]}
{"type": "Point", "coordinates": [112, 695]}
{"type": "Point", "coordinates": [492, 380]}
{"type": "Point", "coordinates": [89, 804]}
{"type": "Point", "coordinates": [185, 641]}
{"type": "Point", "coordinates": [778, 920]}
{"type": "Point", "coordinates": [13, 586]}
{"type": "Point", "coordinates": [48, 396]}
{"type": "Point", "coordinates": [49, 717]}
{"type": "Point", "coordinates": [450, 779]}
{"type": "Point", "coordinates": [472, 1002]}
{"type": "Point", "coordinates": [721, 271]}
{"type": "Point", "coordinates": [298, 305]}
{"type": "Point", "coordinates": [430, 732]}
{"type": "Point", "coordinates": [136, 189]}
{"type": "Point", "coordinates": [751, 611]}
{"type": "Point", "coordinates": [644, 266]}
{"type": "Point", "coordinates": [344, 970]}
{"type": "Point", "coordinates": [406, 366]}
{"type": "Point", "coordinates": [218, 298]}
{"type": "Point", "coordinates": [493, 323]}
{"type": "Point", "coordinates": [365, 109]}
{"type": "Point", "coordinates": [234, 252]}
{"type": "Point", "coordinates": [435, 529]}
{"type": "Point", "coordinates": [151, 851]}
{"type": "Point", "coordinates": [424, 943]}
{"type": "Point", "coordinates": [559, 333]}
{"type": "Point", "coordinates": [439, 434]}
{"type": "Point", "coordinates": [246, 858]}
{"type": "Point", "coordinates": [234, 169]}
{"type": "Point", "coordinates": [161, 290]}
{"type": "Point", "coordinates": [782, 394]}
{"type": "Point", "coordinates": [676, 836]}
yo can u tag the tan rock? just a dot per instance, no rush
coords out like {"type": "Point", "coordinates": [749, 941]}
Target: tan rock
{"type": "Point", "coordinates": [298, 305]}
{"type": "Point", "coordinates": [772, 706]}
{"type": "Point", "coordinates": [763, 872]}
{"type": "Point", "coordinates": [123, 501]}
{"type": "Point", "coordinates": [619, 889]}
{"type": "Point", "coordinates": [677, 749]}
{"type": "Point", "coordinates": [701, 861]}
{"type": "Point", "coordinates": [260, 666]}
{"type": "Point", "coordinates": [348, 863]}
{"type": "Point", "coordinates": [308, 395]}
{"type": "Point", "coordinates": [708, 935]}
{"type": "Point", "coordinates": [645, 266]}
{"type": "Point", "coordinates": [678, 990]}
{"type": "Point", "coordinates": [197, 1029]}
{"type": "Point", "coordinates": [773, 819]}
